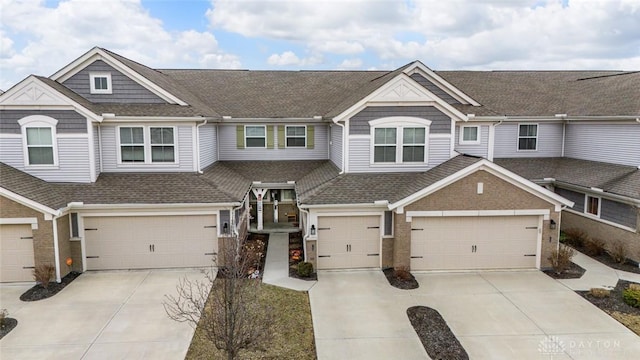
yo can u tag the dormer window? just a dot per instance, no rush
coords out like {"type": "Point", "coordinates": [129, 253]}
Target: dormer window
{"type": "Point", "coordinates": [100, 83]}
{"type": "Point", "coordinates": [399, 140]}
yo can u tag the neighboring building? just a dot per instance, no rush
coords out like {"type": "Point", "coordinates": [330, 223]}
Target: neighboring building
{"type": "Point", "coordinates": [121, 166]}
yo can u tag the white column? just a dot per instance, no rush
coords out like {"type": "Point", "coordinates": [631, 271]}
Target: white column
{"type": "Point", "coordinates": [275, 211]}
{"type": "Point", "coordinates": [259, 193]}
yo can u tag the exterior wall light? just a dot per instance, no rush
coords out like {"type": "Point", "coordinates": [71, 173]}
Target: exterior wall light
{"type": "Point", "coordinates": [552, 224]}
{"type": "Point", "coordinates": [225, 228]}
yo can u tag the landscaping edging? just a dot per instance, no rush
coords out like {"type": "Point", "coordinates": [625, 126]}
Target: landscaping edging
{"type": "Point", "coordinates": [435, 334]}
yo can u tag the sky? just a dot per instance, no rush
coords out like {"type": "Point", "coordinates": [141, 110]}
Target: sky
{"type": "Point", "coordinates": [42, 36]}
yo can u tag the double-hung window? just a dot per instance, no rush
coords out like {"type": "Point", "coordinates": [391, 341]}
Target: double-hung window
{"type": "Point", "coordinates": [296, 136]}
{"type": "Point", "coordinates": [469, 135]}
{"type": "Point", "coordinates": [132, 144]}
{"type": "Point", "coordinates": [385, 145]}
{"type": "Point", "coordinates": [40, 145]}
{"type": "Point", "coordinates": [413, 142]}
{"type": "Point", "coordinates": [162, 144]}
{"type": "Point", "coordinates": [255, 136]}
{"type": "Point", "coordinates": [527, 137]}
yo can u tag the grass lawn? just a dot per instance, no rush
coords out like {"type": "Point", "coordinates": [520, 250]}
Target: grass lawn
{"type": "Point", "coordinates": [292, 332]}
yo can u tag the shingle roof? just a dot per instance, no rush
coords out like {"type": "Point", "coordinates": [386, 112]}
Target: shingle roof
{"type": "Point", "coordinates": [614, 179]}
{"type": "Point", "coordinates": [40, 191]}
{"type": "Point", "coordinates": [368, 188]}
{"type": "Point", "coordinates": [546, 93]}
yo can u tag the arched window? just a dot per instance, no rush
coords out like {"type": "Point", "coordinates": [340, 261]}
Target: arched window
{"type": "Point", "coordinates": [39, 140]}
{"type": "Point", "coordinates": [399, 140]}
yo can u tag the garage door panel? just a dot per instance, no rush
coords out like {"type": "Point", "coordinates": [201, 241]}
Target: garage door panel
{"type": "Point", "coordinates": [16, 252]}
{"type": "Point", "coordinates": [348, 242]}
{"type": "Point", "coordinates": [150, 241]}
{"type": "Point", "coordinates": [450, 243]}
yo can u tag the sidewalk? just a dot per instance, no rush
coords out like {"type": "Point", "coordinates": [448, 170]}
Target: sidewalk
{"type": "Point", "coordinates": [597, 275]}
{"type": "Point", "coordinates": [276, 268]}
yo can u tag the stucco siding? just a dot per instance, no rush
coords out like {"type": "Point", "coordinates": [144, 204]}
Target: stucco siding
{"type": "Point", "coordinates": [335, 151]}
{"type": "Point", "coordinates": [184, 155]}
{"type": "Point", "coordinates": [359, 123]}
{"type": "Point", "coordinates": [69, 121]}
{"type": "Point", "coordinates": [208, 145]}
{"type": "Point", "coordinates": [549, 141]}
{"type": "Point", "coordinates": [228, 148]}
{"type": "Point", "coordinates": [618, 144]}
{"type": "Point", "coordinates": [73, 159]}
{"type": "Point", "coordinates": [481, 149]}
{"type": "Point", "coordinates": [124, 90]}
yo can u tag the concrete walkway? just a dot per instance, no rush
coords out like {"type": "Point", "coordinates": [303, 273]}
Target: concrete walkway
{"type": "Point", "coordinates": [597, 275]}
{"type": "Point", "coordinates": [276, 268]}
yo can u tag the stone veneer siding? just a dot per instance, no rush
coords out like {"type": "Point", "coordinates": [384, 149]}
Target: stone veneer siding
{"type": "Point", "coordinates": [42, 237]}
{"type": "Point", "coordinates": [462, 195]}
{"type": "Point", "coordinates": [608, 233]}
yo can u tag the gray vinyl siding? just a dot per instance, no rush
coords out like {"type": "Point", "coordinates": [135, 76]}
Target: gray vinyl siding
{"type": "Point", "coordinates": [336, 145]}
{"type": "Point", "coordinates": [481, 149]}
{"type": "Point", "coordinates": [434, 89]}
{"type": "Point", "coordinates": [617, 144]}
{"type": "Point", "coordinates": [228, 150]}
{"type": "Point", "coordinates": [619, 213]}
{"type": "Point", "coordinates": [124, 90]}
{"type": "Point", "coordinates": [576, 197]}
{"type": "Point", "coordinates": [549, 141]}
{"type": "Point", "coordinates": [73, 159]}
{"type": "Point", "coordinates": [69, 121]}
{"type": "Point", "coordinates": [438, 151]}
{"type": "Point", "coordinates": [185, 144]}
{"type": "Point", "coordinates": [208, 147]}
{"type": "Point", "coordinates": [359, 123]}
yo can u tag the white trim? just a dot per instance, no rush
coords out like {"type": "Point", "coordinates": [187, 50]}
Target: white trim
{"type": "Point", "coordinates": [495, 170]}
{"type": "Point", "coordinates": [399, 123]}
{"type": "Point", "coordinates": [439, 136]}
{"type": "Point", "coordinates": [29, 203]}
{"type": "Point", "coordinates": [586, 205]}
{"type": "Point", "coordinates": [92, 151]}
{"type": "Point", "coordinates": [256, 137]}
{"type": "Point", "coordinates": [607, 222]}
{"type": "Point", "coordinates": [39, 121]}
{"type": "Point", "coordinates": [360, 136]}
{"type": "Point", "coordinates": [147, 147]}
{"type": "Point", "coordinates": [56, 248]}
{"type": "Point", "coordinates": [92, 84]}
{"type": "Point", "coordinates": [98, 54]}
{"type": "Point", "coordinates": [478, 213]}
{"type": "Point", "coordinates": [286, 146]}
{"type": "Point", "coordinates": [461, 140]}
{"type": "Point", "coordinates": [537, 137]}
{"type": "Point", "coordinates": [21, 221]}
{"type": "Point", "coordinates": [539, 241]}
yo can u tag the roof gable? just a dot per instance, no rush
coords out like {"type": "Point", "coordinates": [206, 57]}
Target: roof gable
{"type": "Point", "coordinates": [418, 67]}
{"type": "Point", "coordinates": [117, 63]}
{"type": "Point", "coordinates": [32, 91]}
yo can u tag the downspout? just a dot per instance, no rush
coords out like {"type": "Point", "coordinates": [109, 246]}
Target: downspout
{"type": "Point", "coordinates": [564, 134]}
{"type": "Point", "coordinates": [100, 148]}
{"type": "Point", "coordinates": [306, 232]}
{"type": "Point", "coordinates": [198, 165]}
{"type": "Point", "coordinates": [492, 140]}
{"type": "Point", "coordinates": [56, 248]}
{"type": "Point", "coordinates": [344, 150]}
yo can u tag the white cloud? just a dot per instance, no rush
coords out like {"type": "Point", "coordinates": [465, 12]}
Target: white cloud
{"type": "Point", "coordinates": [450, 34]}
{"type": "Point", "coordinates": [289, 58]}
{"type": "Point", "coordinates": [348, 64]}
{"type": "Point", "coordinates": [54, 36]}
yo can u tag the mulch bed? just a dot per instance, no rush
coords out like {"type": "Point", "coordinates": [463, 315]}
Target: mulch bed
{"type": "Point", "coordinates": [296, 255]}
{"type": "Point", "coordinates": [38, 292]}
{"type": "Point", "coordinates": [613, 302]}
{"type": "Point", "coordinates": [407, 283]}
{"type": "Point", "coordinates": [435, 335]}
{"type": "Point", "coordinates": [573, 272]}
{"type": "Point", "coordinates": [9, 324]}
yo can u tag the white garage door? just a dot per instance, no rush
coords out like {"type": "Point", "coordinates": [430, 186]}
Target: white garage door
{"type": "Point", "coordinates": [150, 241]}
{"type": "Point", "coordinates": [460, 243]}
{"type": "Point", "coordinates": [348, 242]}
{"type": "Point", "coordinates": [16, 253]}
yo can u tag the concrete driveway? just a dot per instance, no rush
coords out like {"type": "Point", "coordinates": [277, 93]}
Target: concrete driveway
{"type": "Point", "coordinates": [495, 315]}
{"type": "Point", "coordinates": [100, 315]}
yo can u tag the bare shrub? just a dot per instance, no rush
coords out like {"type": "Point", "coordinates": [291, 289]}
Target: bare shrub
{"type": "Point", "coordinates": [599, 292]}
{"type": "Point", "coordinates": [402, 273]}
{"type": "Point", "coordinates": [225, 310]}
{"type": "Point", "coordinates": [575, 237]}
{"type": "Point", "coordinates": [4, 314]}
{"type": "Point", "coordinates": [594, 247]}
{"type": "Point", "coordinates": [619, 252]}
{"type": "Point", "coordinates": [561, 259]}
{"type": "Point", "coordinates": [43, 273]}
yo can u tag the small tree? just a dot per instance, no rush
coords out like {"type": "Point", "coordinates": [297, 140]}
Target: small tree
{"type": "Point", "coordinates": [226, 308]}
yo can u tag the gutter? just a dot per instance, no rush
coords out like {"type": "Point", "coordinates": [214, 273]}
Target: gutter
{"type": "Point", "coordinates": [376, 204]}
{"type": "Point", "coordinates": [604, 194]}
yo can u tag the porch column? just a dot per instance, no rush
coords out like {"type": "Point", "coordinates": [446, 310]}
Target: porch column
{"type": "Point", "coordinates": [259, 193]}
